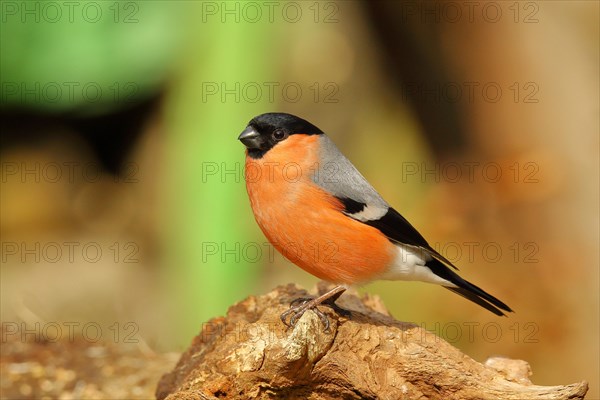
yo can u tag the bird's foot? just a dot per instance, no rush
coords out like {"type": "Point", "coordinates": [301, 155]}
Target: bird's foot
{"type": "Point", "coordinates": [295, 312]}
{"type": "Point", "coordinates": [299, 306]}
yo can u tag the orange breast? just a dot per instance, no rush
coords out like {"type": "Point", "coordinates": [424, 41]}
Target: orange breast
{"type": "Point", "coordinates": [305, 223]}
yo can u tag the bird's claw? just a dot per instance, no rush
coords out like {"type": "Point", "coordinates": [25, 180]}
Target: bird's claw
{"type": "Point", "coordinates": [297, 309]}
{"type": "Point", "coordinates": [300, 300]}
{"type": "Point", "coordinates": [299, 306]}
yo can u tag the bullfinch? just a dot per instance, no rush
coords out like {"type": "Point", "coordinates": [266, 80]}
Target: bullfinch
{"type": "Point", "coordinates": [317, 210]}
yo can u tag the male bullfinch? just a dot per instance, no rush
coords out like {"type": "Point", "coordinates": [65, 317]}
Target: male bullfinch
{"type": "Point", "coordinates": [318, 211]}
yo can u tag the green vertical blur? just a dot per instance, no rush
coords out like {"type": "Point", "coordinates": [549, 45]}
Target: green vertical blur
{"type": "Point", "coordinates": [55, 57]}
{"type": "Point", "coordinates": [207, 203]}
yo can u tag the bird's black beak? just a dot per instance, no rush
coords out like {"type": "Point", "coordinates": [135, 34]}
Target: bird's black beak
{"type": "Point", "coordinates": [250, 138]}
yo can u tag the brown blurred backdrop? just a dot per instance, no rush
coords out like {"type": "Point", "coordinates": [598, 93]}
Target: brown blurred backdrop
{"type": "Point", "coordinates": [478, 121]}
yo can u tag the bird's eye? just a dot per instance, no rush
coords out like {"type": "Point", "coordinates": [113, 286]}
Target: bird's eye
{"type": "Point", "coordinates": [278, 134]}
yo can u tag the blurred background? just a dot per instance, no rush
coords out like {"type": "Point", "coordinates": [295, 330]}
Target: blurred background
{"type": "Point", "coordinates": [123, 206]}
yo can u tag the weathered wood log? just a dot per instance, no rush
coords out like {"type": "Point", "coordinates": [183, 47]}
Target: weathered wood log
{"type": "Point", "coordinates": [250, 355]}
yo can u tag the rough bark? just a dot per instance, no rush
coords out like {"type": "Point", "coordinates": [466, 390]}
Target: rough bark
{"type": "Point", "coordinates": [250, 355]}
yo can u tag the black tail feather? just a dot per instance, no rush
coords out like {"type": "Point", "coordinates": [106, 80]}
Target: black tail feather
{"type": "Point", "coordinates": [478, 300]}
{"type": "Point", "coordinates": [467, 289]}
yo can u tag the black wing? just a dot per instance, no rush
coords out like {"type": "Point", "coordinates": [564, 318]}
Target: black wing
{"type": "Point", "coordinates": [396, 228]}
{"type": "Point", "coordinates": [399, 230]}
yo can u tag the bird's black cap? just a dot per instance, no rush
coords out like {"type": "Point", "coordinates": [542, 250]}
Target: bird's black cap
{"type": "Point", "coordinates": [266, 130]}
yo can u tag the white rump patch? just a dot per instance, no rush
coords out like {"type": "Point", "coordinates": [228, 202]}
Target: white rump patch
{"type": "Point", "coordinates": [409, 265]}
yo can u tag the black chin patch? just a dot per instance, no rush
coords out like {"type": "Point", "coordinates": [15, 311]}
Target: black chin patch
{"type": "Point", "coordinates": [256, 153]}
